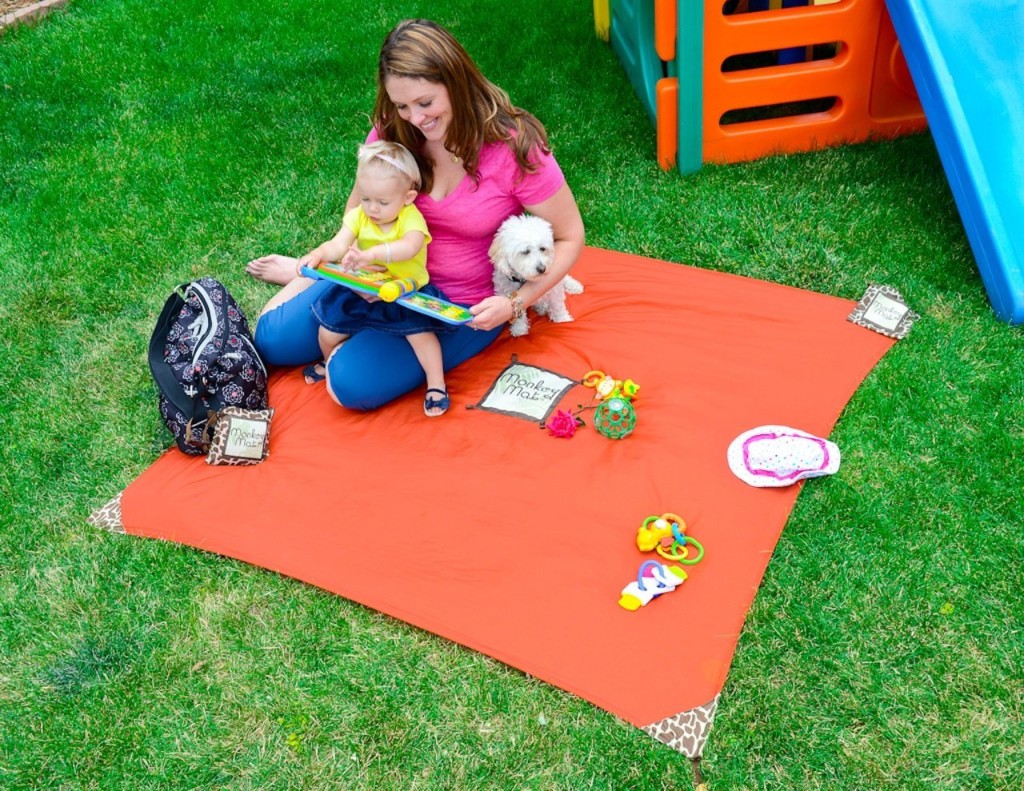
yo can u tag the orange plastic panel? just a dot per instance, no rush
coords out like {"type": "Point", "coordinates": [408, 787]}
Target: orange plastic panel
{"type": "Point", "coordinates": [872, 98]}
{"type": "Point", "coordinates": [666, 94]}
{"type": "Point", "coordinates": [892, 91]}
{"type": "Point", "coordinates": [665, 29]}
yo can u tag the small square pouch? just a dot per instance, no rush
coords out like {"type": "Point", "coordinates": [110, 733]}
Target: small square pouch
{"type": "Point", "coordinates": [240, 436]}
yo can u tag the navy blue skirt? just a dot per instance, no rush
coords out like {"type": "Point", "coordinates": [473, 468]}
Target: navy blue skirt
{"type": "Point", "coordinates": [341, 310]}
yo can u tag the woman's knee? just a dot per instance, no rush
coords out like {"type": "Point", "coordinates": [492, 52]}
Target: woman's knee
{"type": "Point", "coordinates": [287, 334]}
{"type": "Point", "coordinates": [363, 391]}
{"type": "Point", "coordinates": [345, 395]}
{"type": "Point", "coordinates": [271, 339]}
{"type": "Point", "coordinates": [370, 369]}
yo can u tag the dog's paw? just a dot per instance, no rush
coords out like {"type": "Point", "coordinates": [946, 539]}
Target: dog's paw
{"type": "Point", "coordinates": [519, 328]}
{"type": "Point", "coordinates": [572, 285]}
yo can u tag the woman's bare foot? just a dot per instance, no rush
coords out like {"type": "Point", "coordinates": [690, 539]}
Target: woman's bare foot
{"type": "Point", "coordinates": [279, 269]}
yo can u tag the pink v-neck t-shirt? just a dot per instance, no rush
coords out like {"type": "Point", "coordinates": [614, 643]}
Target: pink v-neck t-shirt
{"type": "Point", "coordinates": [463, 223]}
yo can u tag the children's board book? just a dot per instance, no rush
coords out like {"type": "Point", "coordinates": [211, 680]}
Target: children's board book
{"type": "Point", "coordinates": [371, 283]}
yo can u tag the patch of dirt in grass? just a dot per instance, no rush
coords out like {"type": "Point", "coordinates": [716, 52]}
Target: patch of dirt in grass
{"type": "Point", "coordinates": [7, 6]}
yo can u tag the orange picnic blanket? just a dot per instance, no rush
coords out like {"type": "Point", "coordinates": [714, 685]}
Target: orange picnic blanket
{"type": "Point", "coordinates": [484, 529]}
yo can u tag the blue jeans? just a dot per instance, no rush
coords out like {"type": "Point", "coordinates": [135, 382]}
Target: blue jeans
{"type": "Point", "coordinates": [371, 368]}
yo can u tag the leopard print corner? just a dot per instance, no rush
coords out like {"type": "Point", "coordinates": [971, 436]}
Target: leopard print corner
{"type": "Point", "coordinates": [109, 516]}
{"type": "Point", "coordinates": [686, 731]}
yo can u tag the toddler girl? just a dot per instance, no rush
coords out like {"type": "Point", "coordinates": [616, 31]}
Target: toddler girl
{"type": "Point", "coordinates": [384, 232]}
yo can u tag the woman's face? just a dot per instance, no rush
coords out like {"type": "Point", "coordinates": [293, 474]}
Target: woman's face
{"type": "Point", "coordinates": [425, 105]}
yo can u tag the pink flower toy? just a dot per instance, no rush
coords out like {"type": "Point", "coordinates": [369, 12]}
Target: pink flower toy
{"type": "Point", "coordinates": [562, 424]}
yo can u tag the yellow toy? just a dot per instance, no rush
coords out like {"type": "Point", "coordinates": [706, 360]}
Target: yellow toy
{"type": "Point", "coordinates": [615, 417]}
{"type": "Point", "coordinates": [607, 387]}
{"type": "Point", "coordinates": [398, 287]}
{"type": "Point", "coordinates": [602, 19]}
{"type": "Point", "coordinates": [666, 534]}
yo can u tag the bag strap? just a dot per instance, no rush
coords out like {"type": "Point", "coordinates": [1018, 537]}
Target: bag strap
{"type": "Point", "coordinates": [225, 333]}
{"type": "Point", "coordinates": [158, 366]}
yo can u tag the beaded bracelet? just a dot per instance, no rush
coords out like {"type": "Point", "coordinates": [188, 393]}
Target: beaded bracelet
{"type": "Point", "coordinates": [518, 309]}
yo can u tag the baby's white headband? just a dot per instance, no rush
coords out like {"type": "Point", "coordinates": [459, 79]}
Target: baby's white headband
{"type": "Point", "coordinates": [397, 164]}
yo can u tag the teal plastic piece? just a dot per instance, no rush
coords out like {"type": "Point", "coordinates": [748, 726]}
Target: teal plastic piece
{"type": "Point", "coordinates": [632, 39]}
{"type": "Point", "coordinates": [689, 69]}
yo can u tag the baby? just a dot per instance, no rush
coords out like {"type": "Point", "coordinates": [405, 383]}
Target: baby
{"type": "Point", "coordinates": [385, 232]}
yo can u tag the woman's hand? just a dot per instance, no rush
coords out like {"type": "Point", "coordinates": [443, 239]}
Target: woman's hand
{"type": "Point", "coordinates": [491, 312]}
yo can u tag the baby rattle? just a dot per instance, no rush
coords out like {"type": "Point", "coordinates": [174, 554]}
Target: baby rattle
{"type": "Point", "coordinates": [666, 534]}
{"type": "Point", "coordinates": [606, 387]}
{"type": "Point", "coordinates": [615, 416]}
{"type": "Point", "coordinates": [652, 580]}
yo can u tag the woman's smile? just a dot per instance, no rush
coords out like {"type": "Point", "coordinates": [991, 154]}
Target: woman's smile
{"type": "Point", "coordinates": [426, 105]}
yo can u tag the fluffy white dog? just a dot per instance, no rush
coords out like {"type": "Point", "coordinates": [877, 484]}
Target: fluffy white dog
{"type": "Point", "coordinates": [522, 250]}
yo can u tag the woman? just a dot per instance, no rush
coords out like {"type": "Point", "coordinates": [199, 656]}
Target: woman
{"type": "Point", "coordinates": [482, 160]}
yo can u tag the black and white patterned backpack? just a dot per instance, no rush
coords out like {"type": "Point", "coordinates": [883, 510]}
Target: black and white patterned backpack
{"type": "Point", "coordinates": [203, 359]}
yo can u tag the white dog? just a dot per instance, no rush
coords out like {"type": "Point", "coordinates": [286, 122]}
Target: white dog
{"type": "Point", "coordinates": [522, 250]}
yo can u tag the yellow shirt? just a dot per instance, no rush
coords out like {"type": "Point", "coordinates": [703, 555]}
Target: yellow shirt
{"type": "Point", "coordinates": [368, 234]}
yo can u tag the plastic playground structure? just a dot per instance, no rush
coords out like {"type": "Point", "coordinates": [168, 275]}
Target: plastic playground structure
{"type": "Point", "coordinates": [734, 80]}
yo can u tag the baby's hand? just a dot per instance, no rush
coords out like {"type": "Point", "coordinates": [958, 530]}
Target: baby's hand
{"type": "Point", "coordinates": [355, 258]}
{"type": "Point", "coordinates": [312, 260]}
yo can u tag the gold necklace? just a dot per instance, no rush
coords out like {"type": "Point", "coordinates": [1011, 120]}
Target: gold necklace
{"type": "Point", "coordinates": [455, 158]}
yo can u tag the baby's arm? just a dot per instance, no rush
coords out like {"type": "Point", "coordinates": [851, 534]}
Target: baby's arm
{"type": "Point", "coordinates": [399, 250]}
{"type": "Point", "coordinates": [331, 250]}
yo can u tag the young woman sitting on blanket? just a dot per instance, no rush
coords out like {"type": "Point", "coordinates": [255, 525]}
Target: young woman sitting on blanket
{"type": "Point", "coordinates": [482, 160]}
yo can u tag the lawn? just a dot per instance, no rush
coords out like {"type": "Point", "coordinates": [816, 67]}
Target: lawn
{"type": "Point", "coordinates": [146, 143]}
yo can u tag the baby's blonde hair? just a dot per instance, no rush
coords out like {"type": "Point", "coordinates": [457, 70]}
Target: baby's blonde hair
{"type": "Point", "coordinates": [393, 157]}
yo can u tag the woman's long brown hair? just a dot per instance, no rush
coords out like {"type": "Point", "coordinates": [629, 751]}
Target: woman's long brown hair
{"type": "Point", "coordinates": [481, 111]}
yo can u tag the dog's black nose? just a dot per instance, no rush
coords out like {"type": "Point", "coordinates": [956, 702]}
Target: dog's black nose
{"type": "Point", "coordinates": [541, 269]}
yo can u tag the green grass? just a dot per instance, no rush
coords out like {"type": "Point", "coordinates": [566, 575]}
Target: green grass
{"type": "Point", "coordinates": [143, 144]}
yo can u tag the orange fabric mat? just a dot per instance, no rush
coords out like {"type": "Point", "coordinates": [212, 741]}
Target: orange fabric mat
{"type": "Point", "coordinates": [484, 529]}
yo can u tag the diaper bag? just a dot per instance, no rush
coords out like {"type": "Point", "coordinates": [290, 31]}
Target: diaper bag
{"type": "Point", "coordinates": [202, 357]}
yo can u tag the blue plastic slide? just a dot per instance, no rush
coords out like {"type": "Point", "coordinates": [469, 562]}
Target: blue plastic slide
{"type": "Point", "coordinates": [967, 61]}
